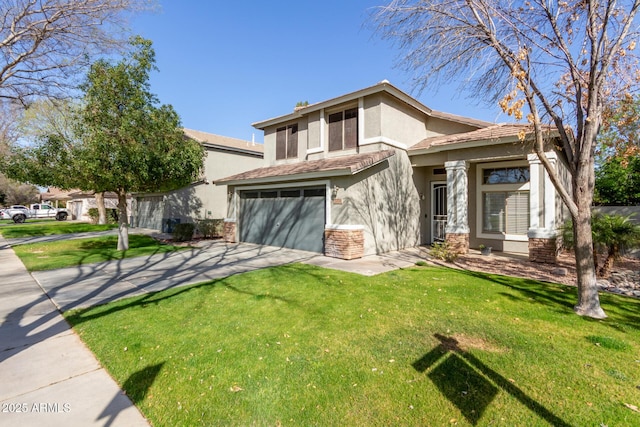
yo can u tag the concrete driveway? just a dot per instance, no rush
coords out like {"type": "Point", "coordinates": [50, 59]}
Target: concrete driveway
{"type": "Point", "coordinates": [94, 284]}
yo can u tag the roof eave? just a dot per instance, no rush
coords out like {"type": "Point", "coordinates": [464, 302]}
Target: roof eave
{"type": "Point", "coordinates": [377, 88]}
{"type": "Point", "coordinates": [464, 145]}
{"type": "Point", "coordinates": [286, 178]}
{"type": "Point", "coordinates": [346, 171]}
{"type": "Point", "coordinates": [233, 149]}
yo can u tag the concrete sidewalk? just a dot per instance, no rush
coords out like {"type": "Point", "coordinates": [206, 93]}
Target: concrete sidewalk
{"type": "Point", "coordinates": [48, 376]}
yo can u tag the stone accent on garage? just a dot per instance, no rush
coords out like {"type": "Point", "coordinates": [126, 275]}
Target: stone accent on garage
{"type": "Point", "coordinates": [344, 241]}
{"type": "Point", "coordinates": [229, 231]}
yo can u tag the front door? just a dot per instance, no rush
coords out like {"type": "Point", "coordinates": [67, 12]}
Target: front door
{"type": "Point", "coordinates": [438, 211]}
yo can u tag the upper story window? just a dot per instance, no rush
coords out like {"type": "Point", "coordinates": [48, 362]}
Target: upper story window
{"type": "Point", "coordinates": [287, 142]}
{"type": "Point", "coordinates": [343, 130]}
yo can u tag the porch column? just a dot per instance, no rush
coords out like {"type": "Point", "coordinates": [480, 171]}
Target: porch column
{"type": "Point", "coordinates": [542, 234]}
{"type": "Point", "coordinates": [457, 230]}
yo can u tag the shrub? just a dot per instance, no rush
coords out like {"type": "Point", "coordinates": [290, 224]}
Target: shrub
{"type": "Point", "coordinates": [443, 251]}
{"type": "Point", "coordinates": [94, 216]}
{"type": "Point", "coordinates": [183, 232]}
{"type": "Point", "coordinates": [210, 227]}
{"type": "Point", "coordinates": [612, 235]}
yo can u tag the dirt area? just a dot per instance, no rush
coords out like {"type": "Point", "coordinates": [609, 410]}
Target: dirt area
{"type": "Point", "coordinates": [625, 278]}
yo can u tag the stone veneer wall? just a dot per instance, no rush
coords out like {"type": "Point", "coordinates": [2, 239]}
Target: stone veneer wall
{"type": "Point", "coordinates": [543, 250]}
{"type": "Point", "coordinates": [458, 242]}
{"type": "Point", "coordinates": [344, 244]}
{"type": "Point", "coordinates": [229, 231]}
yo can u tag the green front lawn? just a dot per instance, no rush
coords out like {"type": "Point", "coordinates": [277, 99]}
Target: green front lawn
{"type": "Point", "coordinates": [69, 253]}
{"type": "Point", "coordinates": [302, 345]}
{"type": "Point", "coordinates": [50, 228]}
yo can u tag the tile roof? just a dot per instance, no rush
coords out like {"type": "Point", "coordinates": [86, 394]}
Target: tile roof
{"type": "Point", "coordinates": [336, 166]}
{"type": "Point", "coordinates": [461, 119]}
{"type": "Point", "coordinates": [223, 141]}
{"type": "Point", "coordinates": [491, 133]}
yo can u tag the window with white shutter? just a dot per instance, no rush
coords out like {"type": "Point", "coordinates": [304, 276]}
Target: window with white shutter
{"type": "Point", "coordinates": [504, 190]}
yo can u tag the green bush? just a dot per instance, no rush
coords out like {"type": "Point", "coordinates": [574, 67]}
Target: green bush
{"type": "Point", "coordinates": [210, 227]}
{"type": "Point", "coordinates": [94, 216]}
{"type": "Point", "coordinates": [183, 232]}
{"type": "Point", "coordinates": [443, 251]}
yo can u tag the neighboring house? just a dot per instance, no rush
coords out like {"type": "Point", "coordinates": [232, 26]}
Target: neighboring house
{"type": "Point", "coordinates": [54, 196]}
{"type": "Point", "coordinates": [81, 201]}
{"type": "Point", "coordinates": [376, 170]}
{"type": "Point", "coordinates": [201, 199]}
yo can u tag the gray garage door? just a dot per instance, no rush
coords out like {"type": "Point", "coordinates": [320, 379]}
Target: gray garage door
{"type": "Point", "coordinates": [288, 218]}
{"type": "Point", "coordinates": [149, 212]}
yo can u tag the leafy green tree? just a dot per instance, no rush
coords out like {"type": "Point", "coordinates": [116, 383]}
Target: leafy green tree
{"type": "Point", "coordinates": [618, 182]}
{"type": "Point", "coordinates": [129, 143]}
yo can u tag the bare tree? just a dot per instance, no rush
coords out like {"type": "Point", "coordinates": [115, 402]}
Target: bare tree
{"type": "Point", "coordinates": [16, 193]}
{"type": "Point", "coordinates": [45, 43]}
{"type": "Point", "coordinates": [560, 60]}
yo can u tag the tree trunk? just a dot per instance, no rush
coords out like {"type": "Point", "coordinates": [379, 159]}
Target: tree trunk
{"type": "Point", "coordinates": [102, 210]}
{"type": "Point", "coordinates": [123, 221]}
{"type": "Point", "coordinates": [588, 298]}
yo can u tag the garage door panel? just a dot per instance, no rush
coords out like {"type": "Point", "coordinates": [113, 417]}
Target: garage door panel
{"type": "Point", "coordinates": [291, 222]}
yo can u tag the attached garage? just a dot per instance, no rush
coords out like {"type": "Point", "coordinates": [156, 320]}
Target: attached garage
{"type": "Point", "coordinates": [284, 217]}
{"type": "Point", "coordinates": [296, 205]}
{"type": "Point", "coordinates": [148, 212]}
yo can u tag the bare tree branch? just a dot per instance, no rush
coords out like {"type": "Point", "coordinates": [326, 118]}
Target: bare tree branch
{"type": "Point", "coordinates": [45, 45]}
{"type": "Point", "coordinates": [560, 59]}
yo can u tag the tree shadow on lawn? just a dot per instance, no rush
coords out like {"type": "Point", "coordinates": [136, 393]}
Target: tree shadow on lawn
{"type": "Point", "coordinates": [470, 384]}
{"type": "Point", "coordinates": [87, 314]}
{"type": "Point", "coordinates": [93, 285]}
{"type": "Point", "coordinates": [562, 298]}
{"type": "Point", "coordinates": [135, 387]}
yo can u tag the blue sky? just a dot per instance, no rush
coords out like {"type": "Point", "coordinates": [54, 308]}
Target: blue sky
{"type": "Point", "coordinates": [226, 64]}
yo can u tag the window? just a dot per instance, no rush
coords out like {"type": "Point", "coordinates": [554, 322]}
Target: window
{"type": "Point", "coordinates": [505, 212]}
{"type": "Point", "coordinates": [504, 196]}
{"type": "Point", "coordinates": [343, 130]}
{"type": "Point", "coordinates": [505, 175]}
{"type": "Point", "coordinates": [287, 142]}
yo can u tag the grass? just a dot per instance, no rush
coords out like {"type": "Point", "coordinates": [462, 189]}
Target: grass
{"type": "Point", "coordinates": [49, 228]}
{"type": "Point", "coordinates": [68, 253]}
{"type": "Point", "coordinates": [303, 345]}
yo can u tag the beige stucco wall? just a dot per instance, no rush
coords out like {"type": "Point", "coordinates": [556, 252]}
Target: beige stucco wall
{"type": "Point", "coordinates": [385, 201]}
{"type": "Point", "coordinates": [313, 132]}
{"type": "Point", "coordinates": [202, 200]}
{"type": "Point", "coordinates": [437, 126]}
{"type": "Point", "coordinates": [401, 123]}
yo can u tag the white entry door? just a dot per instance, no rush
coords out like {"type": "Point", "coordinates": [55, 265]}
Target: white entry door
{"type": "Point", "coordinates": [438, 211]}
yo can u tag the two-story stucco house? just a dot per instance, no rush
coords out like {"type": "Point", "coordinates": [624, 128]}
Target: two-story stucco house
{"type": "Point", "coordinates": [201, 199]}
{"type": "Point", "coordinates": [376, 170]}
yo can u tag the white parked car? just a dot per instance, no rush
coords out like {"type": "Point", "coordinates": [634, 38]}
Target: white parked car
{"type": "Point", "coordinates": [19, 213]}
